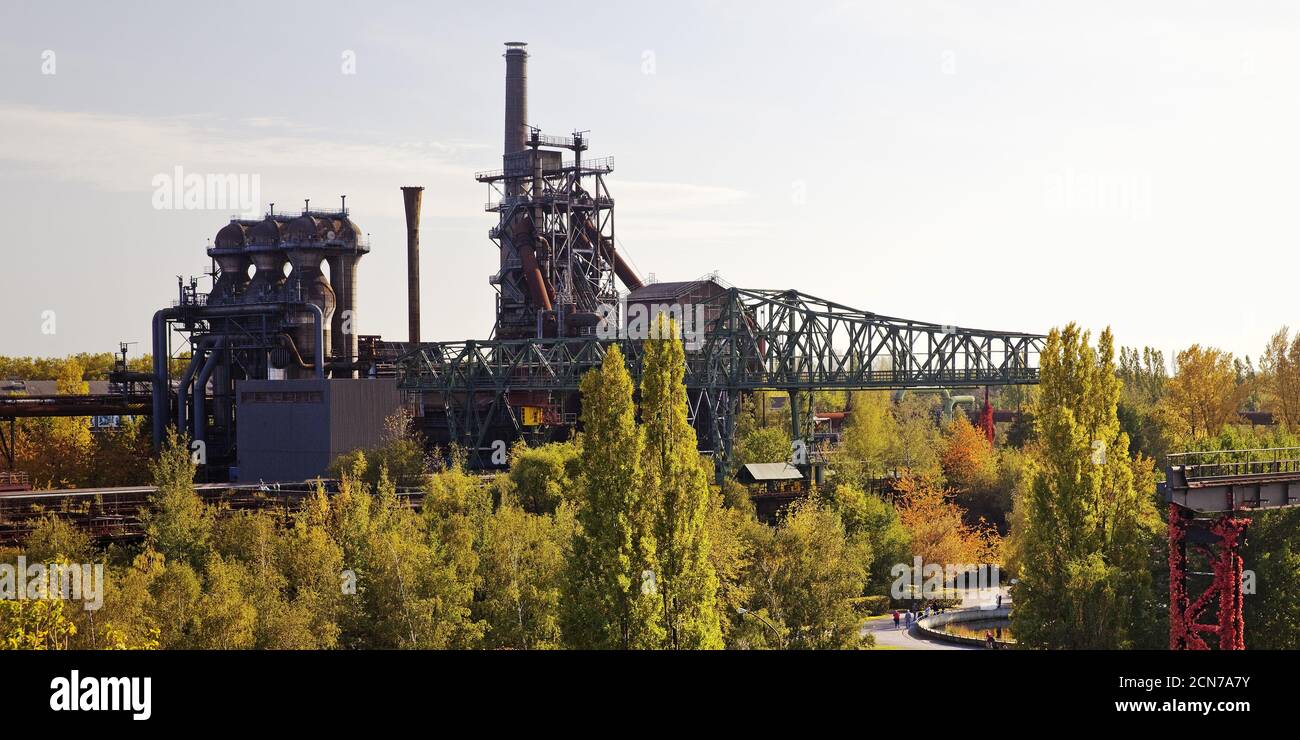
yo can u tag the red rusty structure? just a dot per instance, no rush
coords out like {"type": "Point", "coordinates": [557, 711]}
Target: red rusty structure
{"type": "Point", "coordinates": [1208, 493]}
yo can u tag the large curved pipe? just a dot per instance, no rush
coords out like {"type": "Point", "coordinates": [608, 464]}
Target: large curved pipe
{"type": "Point", "coordinates": [201, 386]}
{"type": "Point", "coordinates": [622, 269]}
{"type": "Point", "coordinates": [162, 373]}
{"type": "Point", "coordinates": [950, 401]}
{"type": "Point", "coordinates": [521, 235]}
{"type": "Point", "coordinates": [183, 389]}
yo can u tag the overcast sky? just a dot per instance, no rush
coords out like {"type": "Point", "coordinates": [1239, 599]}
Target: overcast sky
{"type": "Point", "coordinates": [1002, 165]}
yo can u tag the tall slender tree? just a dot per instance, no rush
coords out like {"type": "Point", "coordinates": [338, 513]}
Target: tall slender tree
{"type": "Point", "coordinates": [1089, 524]}
{"type": "Point", "coordinates": [677, 486]}
{"type": "Point", "coordinates": [612, 580]}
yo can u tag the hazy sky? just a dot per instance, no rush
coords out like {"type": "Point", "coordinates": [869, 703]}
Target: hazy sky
{"type": "Point", "coordinates": [1003, 165]}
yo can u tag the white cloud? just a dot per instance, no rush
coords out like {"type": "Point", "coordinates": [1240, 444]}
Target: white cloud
{"type": "Point", "coordinates": [120, 153]}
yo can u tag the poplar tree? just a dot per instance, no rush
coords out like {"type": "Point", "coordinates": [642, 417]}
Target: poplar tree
{"type": "Point", "coordinates": [611, 586]}
{"type": "Point", "coordinates": [1089, 526]}
{"type": "Point", "coordinates": [677, 486]}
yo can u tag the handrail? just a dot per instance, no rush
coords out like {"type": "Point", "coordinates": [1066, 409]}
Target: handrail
{"type": "Point", "coordinates": [1211, 464]}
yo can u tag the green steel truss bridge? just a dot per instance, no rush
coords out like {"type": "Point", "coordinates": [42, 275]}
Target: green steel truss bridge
{"type": "Point", "coordinates": [752, 339]}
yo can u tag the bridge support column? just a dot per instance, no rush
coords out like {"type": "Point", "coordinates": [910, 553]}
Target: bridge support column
{"type": "Point", "coordinates": [1227, 578]}
{"type": "Point", "coordinates": [1220, 541]}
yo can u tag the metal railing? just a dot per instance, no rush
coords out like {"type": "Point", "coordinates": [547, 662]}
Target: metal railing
{"type": "Point", "coordinates": [603, 165]}
{"type": "Point", "coordinates": [1215, 464]}
{"type": "Point", "coordinates": [14, 481]}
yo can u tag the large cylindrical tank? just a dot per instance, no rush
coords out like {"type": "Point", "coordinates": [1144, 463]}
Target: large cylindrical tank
{"type": "Point", "coordinates": [228, 249]}
{"type": "Point", "coordinates": [304, 239]}
{"type": "Point", "coordinates": [343, 280]}
{"type": "Point", "coordinates": [268, 257]}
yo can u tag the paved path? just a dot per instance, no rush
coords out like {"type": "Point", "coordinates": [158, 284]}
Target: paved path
{"type": "Point", "coordinates": [882, 627]}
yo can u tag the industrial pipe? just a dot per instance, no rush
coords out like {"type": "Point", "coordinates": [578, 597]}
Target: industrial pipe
{"type": "Point", "coordinates": [183, 389]}
{"type": "Point", "coordinates": [411, 197]}
{"type": "Point", "coordinates": [201, 385]}
{"type": "Point", "coordinates": [521, 236]}
{"type": "Point", "coordinates": [162, 374]}
{"type": "Point", "coordinates": [950, 401]}
{"type": "Point", "coordinates": [606, 249]}
{"type": "Point", "coordinates": [319, 315]}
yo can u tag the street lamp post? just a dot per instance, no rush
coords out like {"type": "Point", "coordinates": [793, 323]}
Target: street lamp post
{"type": "Point", "coordinates": [780, 641]}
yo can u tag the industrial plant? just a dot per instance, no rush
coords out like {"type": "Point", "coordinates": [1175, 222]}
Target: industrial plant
{"type": "Point", "coordinates": [276, 383]}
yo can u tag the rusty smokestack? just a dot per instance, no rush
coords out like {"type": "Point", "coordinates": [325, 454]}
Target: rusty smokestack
{"type": "Point", "coordinates": [516, 131]}
{"type": "Point", "coordinates": [411, 197]}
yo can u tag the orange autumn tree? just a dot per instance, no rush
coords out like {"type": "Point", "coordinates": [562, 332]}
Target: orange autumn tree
{"type": "Point", "coordinates": [967, 459]}
{"type": "Point", "coordinates": [939, 533]}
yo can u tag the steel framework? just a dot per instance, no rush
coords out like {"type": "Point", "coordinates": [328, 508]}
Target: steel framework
{"type": "Point", "coordinates": [1207, 493]}
{"type": "Point", "coordinates": [753, 339]}
{"type": "Point", "coordinates": [555, 237]}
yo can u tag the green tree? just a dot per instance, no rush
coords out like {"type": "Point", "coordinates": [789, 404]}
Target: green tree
{"type": "Point", "coordinates": [731, 541]}
{"type": "Point", "coordinates": [869, 518]}
{"type": "Point", "coordinates": [56, 452]}
{"type": "Point", "coordinates": [415, 573]}
{"type": "Point", "coordinates": [869, 442]}
{"type": "Point", "coordinates": [762, 445]}
{"type": "Point", "coordinates": [918, 443]}
{"type": "Point", "coordinates": [804, 575]}
{"type": "Point", "coordinates": [35, 624]}
{"type": "Point", "coordinates": [225, 619]}
{"type": "Point", "coordinates": [1204, 394]}
{"type": "Point", "coordinates": [522, 568]}
{"type": "Point", "coordinates": [175, 592]}
{"type": "Point", "coordinates": [54, 539]}
{"type": "Point", "coordinates": [677, 487]}
{"type": "Point", "coordinates": [1272, 551]}
{"type": "Point", "coordinates": [543, 476]}
{"type": "Point", "coordinates": [1089, 525]}
{"type": "Point", "coordinates": [177, 524]}
{"type": "Point", "coordinates": [611, 597]}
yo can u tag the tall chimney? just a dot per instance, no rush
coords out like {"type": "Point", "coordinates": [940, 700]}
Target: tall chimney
{"type": "Point", "coordinates": [516, 97]}
{"type": "Point", "coordinates": [411, 196]}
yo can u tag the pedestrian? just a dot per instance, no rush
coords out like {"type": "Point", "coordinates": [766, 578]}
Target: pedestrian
{"type": "Point", "coordinates": [897, 618]}
{"type": "Point", "coordinates": [988, 639]}
{"type": "Point", "coordinates": [999, 601]}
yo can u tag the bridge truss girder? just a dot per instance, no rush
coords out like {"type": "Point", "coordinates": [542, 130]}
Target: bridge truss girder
{"type": "Point", "coordinates": [753, 339]}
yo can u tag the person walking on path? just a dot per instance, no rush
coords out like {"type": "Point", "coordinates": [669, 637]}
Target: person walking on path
{"type": "Point", "coordinates": [897, 618]}
{"type": "Point", "coordinates": [988, 639]}
{"type": "Point", "coordinates": [999, 601]}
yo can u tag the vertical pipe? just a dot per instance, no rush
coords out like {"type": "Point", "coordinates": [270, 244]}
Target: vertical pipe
{"type": "Point", "coordinates": [411, 197]}
{"type": "Point", "coordinates": [161, 375]}
{"type": "Point", "coordinates": [183, 389]}
{"type": "Point", "coordinates": [319, 355]}
{"type": "Point", "coordinates": [201, 388]}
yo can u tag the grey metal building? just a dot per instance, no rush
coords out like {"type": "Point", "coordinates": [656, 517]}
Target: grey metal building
{"type": "Point", "coordinates": [290, 430]}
